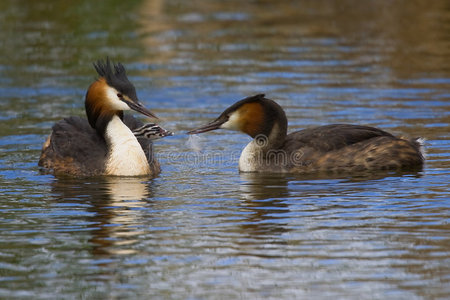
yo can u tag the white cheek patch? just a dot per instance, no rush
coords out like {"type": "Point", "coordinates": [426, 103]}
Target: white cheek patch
{"type": "Point", "coordinates": [114, 102]}
{"type": "Point", "coordinates": [232, 123]}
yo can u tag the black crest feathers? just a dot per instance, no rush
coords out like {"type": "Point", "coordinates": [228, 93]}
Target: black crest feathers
{"type": "Point", "coordinates": [116, 76]}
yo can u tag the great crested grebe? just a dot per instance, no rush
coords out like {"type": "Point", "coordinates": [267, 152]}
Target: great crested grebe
{"type": "Point", "coordinates": [336, 148]}
{"type": "Point", "coordinates": [108, 142]}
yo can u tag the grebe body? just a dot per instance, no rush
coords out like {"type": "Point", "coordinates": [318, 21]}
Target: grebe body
{"type": "Point", "coordinates": [104, 143]}
{"type": "Point", "coordinates": [336, 148]}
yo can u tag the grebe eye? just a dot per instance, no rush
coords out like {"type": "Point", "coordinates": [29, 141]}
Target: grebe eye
{"type": "Point", "coordinates": [119, 95]}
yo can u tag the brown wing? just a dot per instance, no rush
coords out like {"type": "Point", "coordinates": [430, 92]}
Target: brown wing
{"type": "Point", "coordinates": [332, 137]}
{"type": "Point", "coordinates": [74, 147]}
{"type": "Point", "coordinates": [349, 148]}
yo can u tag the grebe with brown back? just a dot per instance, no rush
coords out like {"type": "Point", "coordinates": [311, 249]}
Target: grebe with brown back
{"type": "Point", "coordinates": [107, 142]}
{"type": "Point", "coordinates": [336, 148]}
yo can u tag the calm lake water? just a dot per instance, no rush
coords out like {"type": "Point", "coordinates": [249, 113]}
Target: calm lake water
{"type": "Point", "coordinates": [202, 230]}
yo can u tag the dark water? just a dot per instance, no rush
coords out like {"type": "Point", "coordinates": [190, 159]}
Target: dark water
{"type": "Point", "coordinates": [201, 230]}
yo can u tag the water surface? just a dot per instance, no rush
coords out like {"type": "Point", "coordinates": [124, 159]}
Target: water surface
{"type": "Point", "coordinates": [202, 230]}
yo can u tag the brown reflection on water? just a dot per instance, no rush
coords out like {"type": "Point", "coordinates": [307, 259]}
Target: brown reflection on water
{"type": "Point", "coordinates": [116, 204]}
{"type": "Point", "coordinates": [398, 238]}
{"type": "Point", "coordinates": [407, 34]}
{"type": "Point", "coordinates": [263, 196]}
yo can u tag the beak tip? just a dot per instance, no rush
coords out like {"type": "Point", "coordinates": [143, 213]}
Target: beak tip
{"type": "Point", "coordinates": [208, 127]}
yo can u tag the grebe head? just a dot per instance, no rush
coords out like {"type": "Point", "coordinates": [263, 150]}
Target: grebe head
{"type": "Point", "coordinates": [254, 115]}
{"type": "Point", "coordinates": [151, 131]}
{"type": "Point", "coordinates": [110, 95]}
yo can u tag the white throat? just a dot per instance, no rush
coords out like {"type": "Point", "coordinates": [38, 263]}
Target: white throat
{"type": "Point", "coordinates": [251, 158]}
{"type": "Point", "coordinates": [255, 156]}
{"type": "Point", "coordinates": [125, 157]}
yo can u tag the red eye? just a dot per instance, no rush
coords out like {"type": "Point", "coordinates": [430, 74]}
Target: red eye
{"type": "Point", "coordinates": [119, 95]}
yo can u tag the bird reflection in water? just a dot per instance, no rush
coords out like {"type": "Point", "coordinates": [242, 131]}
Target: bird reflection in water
{"type": "Point", "coordinates": [117, 204]}
{"type": "Point", "coordinates": [262, 195]}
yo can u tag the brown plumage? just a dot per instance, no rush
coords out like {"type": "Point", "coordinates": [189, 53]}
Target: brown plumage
{"type": "Point", "coordinates": [75, 148]}
{"type": "Point", "coordinates": [336, 148]}
{"type": "Point", "coordinates": [102, 144]}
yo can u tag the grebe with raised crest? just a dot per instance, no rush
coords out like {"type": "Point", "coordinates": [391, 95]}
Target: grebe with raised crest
{"type": "Point", "coordinates": [107, 142]}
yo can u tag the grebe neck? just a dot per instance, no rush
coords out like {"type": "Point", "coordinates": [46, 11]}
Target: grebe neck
{"type": "Point", "coordinates": [255, 154]}
{"type": "Point", "coordinates": [125, 154]}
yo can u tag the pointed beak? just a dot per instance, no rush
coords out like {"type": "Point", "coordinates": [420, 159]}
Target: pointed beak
{"type": "Point", "coordinates": [210, 126]}
{"type": "Point", "coordinates": [137, 106]}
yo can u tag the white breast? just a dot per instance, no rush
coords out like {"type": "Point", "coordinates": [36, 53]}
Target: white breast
{"type": "Point", "coordinates": [254, 156]}
{"type": "Point", "coordinates": [250, 158]}
{"type": "Point", "coordinates": [126, 157]}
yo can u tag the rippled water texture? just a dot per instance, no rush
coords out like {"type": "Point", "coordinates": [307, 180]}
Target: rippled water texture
{"type": "Point", "coordinates": [201, 230]}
